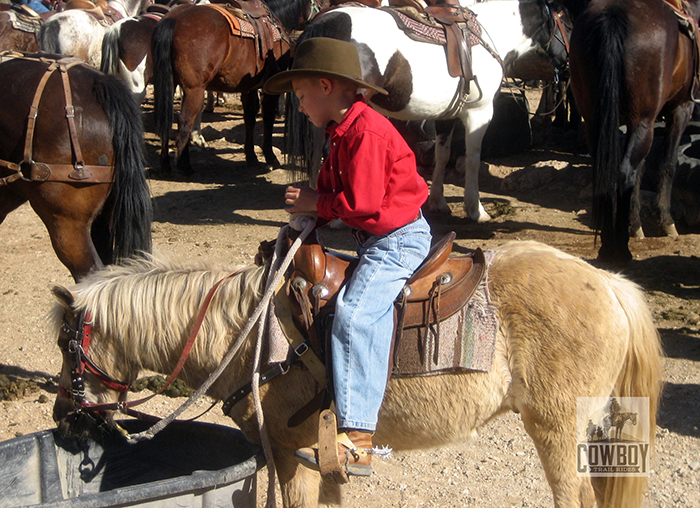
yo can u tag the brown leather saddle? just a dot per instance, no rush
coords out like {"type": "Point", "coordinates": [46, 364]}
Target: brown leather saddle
{"type": "Point", "coordinates": [457, 29]}
{"type": "Point", "coordinates": [253, 19]}
{"type": "Point", "coordinates": [441, 286]}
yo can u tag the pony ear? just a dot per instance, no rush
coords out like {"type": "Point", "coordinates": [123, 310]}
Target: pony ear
{"type": "Point", "coordinates": [63, 295]}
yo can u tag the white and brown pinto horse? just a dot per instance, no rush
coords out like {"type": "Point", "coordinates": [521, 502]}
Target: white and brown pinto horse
{"type": "Point", "coordinates": [76, 32]}
{"type": "Point", "coordinates": [549, 351]}
{"type": "Point", "coordinates": [419, 83]}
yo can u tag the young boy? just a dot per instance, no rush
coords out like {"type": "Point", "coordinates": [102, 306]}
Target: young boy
{"type": "Point", "coordinates": [369, 181]}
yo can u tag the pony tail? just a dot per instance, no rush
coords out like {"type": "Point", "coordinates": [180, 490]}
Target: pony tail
{"type": "Point", "coordinates": [163, 78]}
{"type": "Point", "coordinates": [641, 376]}
{"type": "Point", "coordinates": [606, 41]}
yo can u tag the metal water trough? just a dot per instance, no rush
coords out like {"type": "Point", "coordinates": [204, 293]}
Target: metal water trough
{"type": "Point", "coordinates": [186, 465]}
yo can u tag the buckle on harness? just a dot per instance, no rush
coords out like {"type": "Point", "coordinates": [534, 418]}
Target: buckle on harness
{"type": "Point", "coordinates": [301, 349]}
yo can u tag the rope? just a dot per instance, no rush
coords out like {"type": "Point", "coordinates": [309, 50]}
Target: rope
{"type": "Point", "coordinates": [149, 433]}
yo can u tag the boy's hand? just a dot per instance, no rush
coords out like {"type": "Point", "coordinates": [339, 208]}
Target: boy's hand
{"type": "Point", "coordinates": [300, 199]}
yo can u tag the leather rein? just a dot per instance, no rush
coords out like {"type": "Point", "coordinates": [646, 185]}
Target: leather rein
{"type": "Point", "coordinates": [29, 170]}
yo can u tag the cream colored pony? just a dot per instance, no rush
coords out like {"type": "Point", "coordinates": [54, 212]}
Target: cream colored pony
{"type": "Point", "coordinates": [567, 330]}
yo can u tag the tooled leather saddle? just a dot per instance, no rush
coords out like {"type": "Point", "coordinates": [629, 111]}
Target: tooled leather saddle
{"type": "Point", "coordinates": [443, 22]}
{"type": "Point", "coordinates": [440, 287]}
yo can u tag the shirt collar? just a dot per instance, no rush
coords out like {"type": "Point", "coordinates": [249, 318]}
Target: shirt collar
{"type": "Point", "coordinates": [341, 128]}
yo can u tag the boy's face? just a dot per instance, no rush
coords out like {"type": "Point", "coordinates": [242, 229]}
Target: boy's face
{"type": "Point", "coordinates": [313, 94]}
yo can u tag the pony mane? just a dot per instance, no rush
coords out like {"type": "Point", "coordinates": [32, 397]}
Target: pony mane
{"type": "Point", "coordinates": [152, 302]}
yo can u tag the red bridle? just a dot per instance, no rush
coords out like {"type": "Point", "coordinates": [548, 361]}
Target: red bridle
{"type": "Point", "coordinates": [76, 342]}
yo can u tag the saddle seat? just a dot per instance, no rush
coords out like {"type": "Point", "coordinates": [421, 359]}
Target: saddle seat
{"type": "Point", "coordinates": [319, 273]}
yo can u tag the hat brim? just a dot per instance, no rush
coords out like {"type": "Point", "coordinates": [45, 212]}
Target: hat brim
{"type": "Point", "coordinates": [282, 81]}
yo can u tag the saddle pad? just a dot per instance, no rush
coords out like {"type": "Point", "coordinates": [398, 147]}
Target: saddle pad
{"type": "Point", "coordinates": [240, 26]}
{"type": "Point", "coordinates": [464, 341]}
{"type": "Point", "coordinates": [23, 22]}
{"type": "Point", "coordinates": [423, 28]}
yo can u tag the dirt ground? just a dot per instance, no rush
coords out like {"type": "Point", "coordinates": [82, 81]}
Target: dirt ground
{"type": "Point", "coordinates": [226, 209]}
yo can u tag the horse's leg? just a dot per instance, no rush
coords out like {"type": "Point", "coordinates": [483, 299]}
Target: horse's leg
{"type": "Point", "coordinates": [251, 105]}
{"type": "Point", "coordinates": [675, 125]}
{"type": "Point", "coordinates": [475, 125]}
{"type": "Point", "coordinates": [615, 237]}
{"type": "Point", "coordinates": [269, 112]}
{"type": "Point", "coordinates": [196, 137]}
{"type": "Point", "coordinates": [192, 101]}
{"type": "Point", "coordinates": [443, 140]}
{"type": "Point", "coordinates": [9, 201]}
{"type": "Point", "coordinates": [70, 234]}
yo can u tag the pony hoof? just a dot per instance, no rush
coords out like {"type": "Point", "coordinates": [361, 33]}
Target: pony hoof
{"type": "Point", "coordinates": [638, 233]}
{"type": "Point", "coordinates": [671, 230]}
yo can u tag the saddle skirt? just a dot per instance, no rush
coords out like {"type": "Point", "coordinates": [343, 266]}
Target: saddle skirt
{"type": "Point", "coordinates": [444, 320]}
{"type": "Point", "coordinates": [23, 21]}
{"type": "Point", "coordinates": [251, 19]}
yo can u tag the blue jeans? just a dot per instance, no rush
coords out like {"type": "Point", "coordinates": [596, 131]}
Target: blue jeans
{"type": "Point", "coordinates": [364, 321]}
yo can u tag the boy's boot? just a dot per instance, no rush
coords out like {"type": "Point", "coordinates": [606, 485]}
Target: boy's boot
{"type": "Point", "coordinates": [354, 453]}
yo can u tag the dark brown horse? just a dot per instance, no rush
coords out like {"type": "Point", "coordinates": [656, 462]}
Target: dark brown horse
{"type": "Point", "coordinates": [76, 157]}
{"type": "Point", "coordinates": [200, 47]}
{"type": "Point", "coordinates": [632, 62]}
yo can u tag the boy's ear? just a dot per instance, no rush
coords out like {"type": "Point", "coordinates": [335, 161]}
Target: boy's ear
{"type": "Point", "coordinates": [326, 85]}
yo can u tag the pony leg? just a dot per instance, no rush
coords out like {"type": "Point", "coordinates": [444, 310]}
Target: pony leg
{"type": "Point", "coordinates": [556, 448]}
{"type": "Point", "coordinates": [192, 101]}
{"type": "Point", "coordinates": [251, 106]}
{"type": "Point", "coordinates": [443, 141]}
{"type": "Point", "coordinates": [299, 486]}
{"type": "Point", "coordinates": [675, 125]}
{"type": "Point", "coordinates": [269, 110]}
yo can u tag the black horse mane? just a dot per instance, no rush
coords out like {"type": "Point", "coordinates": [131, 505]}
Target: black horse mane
{"type": "Point", "coordinates": [288, 11]}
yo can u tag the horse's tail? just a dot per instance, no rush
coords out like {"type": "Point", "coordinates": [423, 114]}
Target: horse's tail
{"type": "Point", "coordinates": [129, 204]}
{"type": "Point", "coordinates": [47, 38]}
{"type": "Point", "coordinates": [301, 139]}
{"type": "Point", "coordinates": [606, 43]}
{"type": "Point", "coordinates": [641, 376]}
{"type": "Point", "coordinates": [163, 87]}
{"type": "Point", "coordinates": [110, 49]}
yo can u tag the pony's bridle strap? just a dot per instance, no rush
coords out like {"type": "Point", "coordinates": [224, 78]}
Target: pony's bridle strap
{"type": "Point", "coordinates": [78, 343]}
{"type": "Point", "coordinates": [77, 346]}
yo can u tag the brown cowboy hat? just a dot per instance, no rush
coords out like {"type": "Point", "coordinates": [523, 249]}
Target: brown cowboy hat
{"type": "Point", "coordinates": [321, 56]}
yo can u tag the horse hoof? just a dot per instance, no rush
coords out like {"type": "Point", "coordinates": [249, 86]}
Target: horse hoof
{"type": "Point", "coordinates": [638, 233]}
{"type": "Point", "coordinates": [671, 230]}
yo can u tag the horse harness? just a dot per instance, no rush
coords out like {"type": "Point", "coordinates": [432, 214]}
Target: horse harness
{"type": "Point", "coordinates": [688, 26]}
{"type": "Point", "coordinates": [31, 171]}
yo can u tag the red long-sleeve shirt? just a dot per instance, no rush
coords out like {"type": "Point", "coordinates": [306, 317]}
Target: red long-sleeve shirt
{"type": "Point", "coordinates": [369, 179]}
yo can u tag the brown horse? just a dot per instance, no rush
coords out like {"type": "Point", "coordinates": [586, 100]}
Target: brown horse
{"type": "Point", "coordinates": [548, 352]}
{"type": "Point", "coordinates": [79, 165]}
{"type": "Point", "coordinates": [631, 63]}
{"type": "Point", "coordinates": [18, 29]}
{"type": "Point", "coordinates": [201, 47]}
